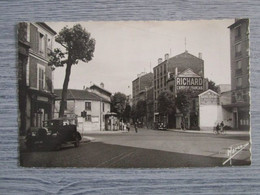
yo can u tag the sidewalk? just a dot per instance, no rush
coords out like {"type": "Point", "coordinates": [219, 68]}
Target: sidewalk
{"type": "Point", "coordinates": [103, 132]}
{"type": "Point", "coordinates": [228, 132]}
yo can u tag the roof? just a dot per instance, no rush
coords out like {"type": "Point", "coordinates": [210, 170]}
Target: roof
{"type": "Point", "coordinates": [188, 73]}
{"type": "Point", "coordinates": [101, 89]}
{"type": "Point", "coordinates": [182, 62]}
{"type": "Point", "coordinates": [77, 94]}
{"type": "Point", "coordinates": [209, 90]}
{"type": "Point", "coordinates": [44, 25]}
{"type": "Point", "coordinates": [237, 22]}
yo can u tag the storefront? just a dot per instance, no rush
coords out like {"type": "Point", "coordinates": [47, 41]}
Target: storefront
{"type": "Point", "coordinates": [41, 107]}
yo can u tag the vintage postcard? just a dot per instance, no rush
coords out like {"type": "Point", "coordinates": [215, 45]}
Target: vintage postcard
{"type": "Point", "coordinates": [134, 94]}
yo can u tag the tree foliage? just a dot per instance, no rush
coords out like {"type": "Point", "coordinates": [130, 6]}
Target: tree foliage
{"type": "Point", "coordinates": [118, 103]}
{"type": "Point", "coordinates": [212, 86]}
{"type": "Point", "coordinates": [166, 103]}
{"type": "Point", "coordinates": [78, 46]}
{"type": "Point", "coordinates": [141, 108]}
{"type": "Point", "coordinates": [183, 100]}
{"type": "Point", "coordinates": [127, 113]}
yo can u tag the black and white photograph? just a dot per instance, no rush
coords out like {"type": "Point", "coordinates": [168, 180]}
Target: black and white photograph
{"type": "Point", "coordinates": [134, 94]}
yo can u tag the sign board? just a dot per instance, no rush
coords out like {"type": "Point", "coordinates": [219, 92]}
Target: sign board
{"type": "Point", "coordinates": [209, 98]}
{"type": "Point", "coordinates": [189, 80]}
{"type": "Point", "coordinates": [194, 83]}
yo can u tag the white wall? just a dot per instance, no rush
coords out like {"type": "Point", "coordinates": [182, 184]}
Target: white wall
{"type": "Point", "coordinates": [209, 116]}
{"type": "Point", "coordinates": [96, 112]}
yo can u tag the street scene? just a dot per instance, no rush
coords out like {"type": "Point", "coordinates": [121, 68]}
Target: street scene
{"type": "Point", "coordinates": [134, 94]}
{"type": "Point", "coordinates": [145, 149]}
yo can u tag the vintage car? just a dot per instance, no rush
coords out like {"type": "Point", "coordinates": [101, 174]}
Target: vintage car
{"type": "Point", "coordinates": [54, 134]}
{"type": "Point", "coordinates": [160, 122]}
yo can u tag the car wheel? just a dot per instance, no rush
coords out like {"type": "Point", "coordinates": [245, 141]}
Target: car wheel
{"type": "Point", "coordinates": [76, 143]}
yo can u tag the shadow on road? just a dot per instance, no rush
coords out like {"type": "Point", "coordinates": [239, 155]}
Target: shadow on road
{"type": "Point", "coordinates": [102, 155]}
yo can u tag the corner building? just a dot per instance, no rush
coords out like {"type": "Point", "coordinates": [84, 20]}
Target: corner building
{"type": "Point", "coordinates": [239, 51]}
{"type": "Point", "coordinates": [36, 93]}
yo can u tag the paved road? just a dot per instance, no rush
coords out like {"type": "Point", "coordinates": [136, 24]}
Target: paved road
{"type": "Point", "coordinates": [145, 149]}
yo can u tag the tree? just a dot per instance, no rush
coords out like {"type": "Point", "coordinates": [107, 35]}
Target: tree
{"type": "Point", "coordinates": [141, 109]}
{"type": "Point", "coordinates": [212, 86]}
{"type": "Point", "coordinates": [118, 103]}
{"type": "Point", "coordinates": [166, 103]}
{"type": "Point", "coordinates": [78, 46]}
{"type": "Point", "coordinates": [127, 113]}
{"type": "Point", "coordinates": [183, 100]}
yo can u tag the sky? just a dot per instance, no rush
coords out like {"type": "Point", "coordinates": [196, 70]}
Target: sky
{"type": "Point", "coordinates": [126, 48]}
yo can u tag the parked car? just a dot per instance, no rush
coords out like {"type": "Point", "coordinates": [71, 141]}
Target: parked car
{"type": "Point", "coordinates": [54, 134]}
{"type": "Point", "coordinates": [162, 125]}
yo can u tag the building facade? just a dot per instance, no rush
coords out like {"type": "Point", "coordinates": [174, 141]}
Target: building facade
{"type": "Point", "coordinates": [239, 51]}
{"type": "Point", "coordinates": [170, 68]}
{"type": "Point", "coordinates": [79, 101]}
{"type": "Point", "coordinates": [36, 97]}
{"type": "Point", "coordinates": [140, 85]}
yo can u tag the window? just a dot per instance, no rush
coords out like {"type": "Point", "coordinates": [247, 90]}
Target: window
{"type": "Point", "coordinates": [239, 82]}
{"type": "Point", "coordinates": [238, 49]}
{"type": "Point", "coordinates": [239, 97]}
{"type": "Point", "coordinates": [103, 107]}
{"type": "Point", "coordinates": [238, 33]}
{"type": "Point", "coordinates": [88, 118]}
{"type": "Point", "coordinates": [87, 105]}
{"type": "Point", "coordinates": [27, 72]}
{"type": "Point", "coordinates": [40, 77]}
{"type": "Point", "coordinates": [41, 43]}
{"type": "Point", "coordinates": [238, 64]}
{"type": "Point", "coordinates": [171, 88]}
{"type": "Point", "coordinates": [164, 68]}
{"type": "Point", "coordinates": [49, 42]}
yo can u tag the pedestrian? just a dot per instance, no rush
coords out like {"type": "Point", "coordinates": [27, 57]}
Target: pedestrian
{"type": "Point", "coordinates": [221, 126]}
{"type": "Point", "coordinates": [182, 124]}
{"type": "Point", "coordinates": [135, 125]}
{"type": "Point", "coordinates": [217, 128]}
{"type": "Point", "coordinates": [128, 126]}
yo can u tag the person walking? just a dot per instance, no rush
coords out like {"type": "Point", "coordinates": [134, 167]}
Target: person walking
{"type": "Point", "coordinates": [222, 126]}
{"type": "Point", "coordinates": [128, 126]}
{"type": "Point", "coordinates": [135, 125]}
{"type": "Point", "coordinates": [182, 124]}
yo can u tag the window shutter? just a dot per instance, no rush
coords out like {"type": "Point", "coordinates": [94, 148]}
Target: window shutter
{"type": "Point", "coordinates": [45, 45]}
{"type": "Point", "coordinates": [34, 37]}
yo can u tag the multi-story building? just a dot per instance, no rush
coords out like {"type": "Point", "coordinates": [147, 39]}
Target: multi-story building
{"type": "Point", "coordinates": [239, 55]}
{"type": "Point", "coordinates": [78, 101]}
{"type": "Point", "coordinates": [175, 66]}
{"type": "Point", "coordinates": [140, 85]}
{"type": "Point", "coordinates": [36, 97]}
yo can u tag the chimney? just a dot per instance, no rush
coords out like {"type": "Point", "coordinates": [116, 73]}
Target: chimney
{"type": "Point", "coordinates": [166, 56]}
{"type": "Point", "coordinates": [176, 71]}
{"type": "Point", "coordinates": [102, 85]}
{"type": "Point", "coordinates": [159, 60]}
{"type": "Point", "coordinates": [83, 87]}
{"type": "Point", "coordinates": [200, 55]}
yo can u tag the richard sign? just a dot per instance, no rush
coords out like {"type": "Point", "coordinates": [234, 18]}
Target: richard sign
{"type": "Point", "coordinates": [195, 83]}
